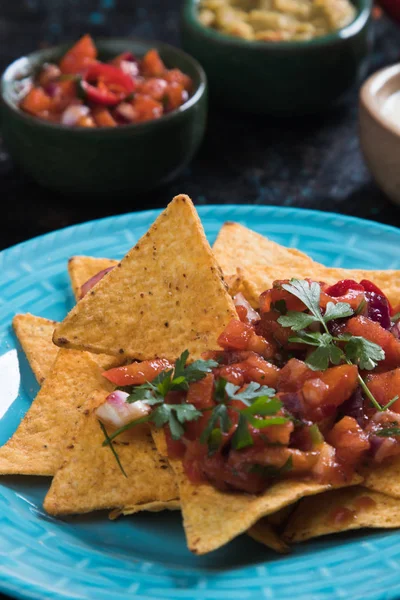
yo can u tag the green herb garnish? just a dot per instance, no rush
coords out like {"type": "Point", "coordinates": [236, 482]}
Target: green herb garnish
{"type": "Point", "coordinates": [388, 432]}
{"type": "Point", "coordinates": [155, 392]}
{"type": "Point", "coordinates": [107, 442]}
{"type": "Point", "coordinates": [354, 350]}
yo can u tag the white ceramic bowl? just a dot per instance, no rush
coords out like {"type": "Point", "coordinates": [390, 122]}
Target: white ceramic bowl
{"type": "Point", "coordinates": [379, 133]}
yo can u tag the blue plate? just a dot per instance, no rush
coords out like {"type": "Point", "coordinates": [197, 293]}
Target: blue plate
{"type": "Point", "coordinates": [145, 556]}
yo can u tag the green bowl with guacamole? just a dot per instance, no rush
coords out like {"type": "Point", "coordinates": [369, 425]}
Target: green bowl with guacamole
{"type": "Point", "coordinates": [103, 161]}
{"type": "Point", "coordinates": [285, 78]}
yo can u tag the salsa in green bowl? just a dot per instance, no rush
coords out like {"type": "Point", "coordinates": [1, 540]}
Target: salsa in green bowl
{"type": "Point", "coordinates": [103, 160]}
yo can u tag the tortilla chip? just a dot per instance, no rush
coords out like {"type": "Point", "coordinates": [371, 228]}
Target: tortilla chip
{"type": "Point", "coordinates": [37, 447]}
{"type": "Point", "coordinates": [35, 335]}
{"type": "Point", "coordinates": [165, 296]}
{"type": "Point", "coordinates": [258, 278]}
{"type": "Point", "coordinates": [238, 246]}
{"type": "Point", "coordinates": [383, 477]}
{"type": "Point", "coordinates": [146, 506]}
{"type": "Point", "coordinates": [212, 518]}
{"type": "Point", "coordinates": [264, 533]}
{"type": "Point", "coordinates": [83, 268]}
{"type": "Point", "coordinates": [321, 515]}
{"type": "Point", "coordinates": [90, 478]}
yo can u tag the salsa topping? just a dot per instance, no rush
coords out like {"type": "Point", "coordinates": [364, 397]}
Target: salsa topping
{"type": "Point", "coordinates": [83, 91]}
{"type": "Point", "coordinates": [307, 387]}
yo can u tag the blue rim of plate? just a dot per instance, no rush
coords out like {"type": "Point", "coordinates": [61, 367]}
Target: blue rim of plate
{"type": "Point", "coordinates": [145, 557]}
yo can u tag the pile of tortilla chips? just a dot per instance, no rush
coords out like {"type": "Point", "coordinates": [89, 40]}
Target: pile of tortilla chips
{"type": "Point", "coordinates": [172, 292]}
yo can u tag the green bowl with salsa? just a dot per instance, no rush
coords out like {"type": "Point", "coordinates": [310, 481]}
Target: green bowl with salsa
{"type": "Point", "coordinates": [281, 77]}
{"type": "Point", "coordinates": [100, 161]}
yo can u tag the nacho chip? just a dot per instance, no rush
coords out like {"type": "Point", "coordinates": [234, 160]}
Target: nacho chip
{"type": "Point", "coordinates": [264, 533]}
{"type": "Point", "coordinates": [146, 506]}
{"type": "Point", "coordinates": [258, 278]}
{"type": "Point", "coordinates": [83, 268]}
{"type": "Point", "coordinates": [37, 447]}
{"type": "Point", "coordinates": [238, 246]}
{"type": "Point", "coordinates": [212, 518]}
{"type": "Point", "coordinates": [384, 477]}
{"type": "Point", "coordinates": [35, 335]}
{"type": "Point", "coordinates": [342, 510]}
{"type": "Point", "coordinates": [90, 478]}
{"type": "Point", "coordinates": [166, 296]}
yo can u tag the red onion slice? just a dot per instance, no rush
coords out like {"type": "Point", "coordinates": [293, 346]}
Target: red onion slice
{"type": "Point", "coordinates": [90, 283]}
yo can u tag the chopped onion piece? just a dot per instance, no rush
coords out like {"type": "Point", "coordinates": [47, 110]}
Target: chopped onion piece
{"type": "Point", "coordinates": [72, 114]}
{"type": "Point", "coordinates": [117, 412]}
{"type": "Point", "coordinates": [129, 67]}
{"type": "Point", "coordinates": [126, 111]}
{"type": "Point", "coordinates": [252, 315]}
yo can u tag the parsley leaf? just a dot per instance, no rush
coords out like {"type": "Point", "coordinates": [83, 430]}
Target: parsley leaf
{"type": "Point", "coordinates": [395, 318]}
{"type": "Point", "coordinates": [175, 415]}
{"type": "Point", "coordinates": [242, 438]}
{"type": "Point", "coordinates": [219, 416]}
{"type": "Point", "coordinates": [341, 310]}
{"type": "Point", "coordinates": [253, 390]}
{"type": "Point", "coordinates": [308, 293]}
{"type": "Point", "coordinates": [296, 320]}
{"type": "Point", "coordinates": [363, 353]}
{"type": "Point", "coordinates": [327, 353]}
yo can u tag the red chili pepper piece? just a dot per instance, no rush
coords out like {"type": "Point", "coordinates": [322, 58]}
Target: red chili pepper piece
{"type": "Point", "coordinates": [112, 77]}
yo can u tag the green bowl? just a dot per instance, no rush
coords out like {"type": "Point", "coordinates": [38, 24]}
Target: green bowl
{"type": "Point", "coordinates": [279, 78]}
{"type": "Point", "coordinates": [101, 161]}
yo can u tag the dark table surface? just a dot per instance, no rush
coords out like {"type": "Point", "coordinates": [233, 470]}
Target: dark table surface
{"type": "Point", "coordinates": [308, 162]}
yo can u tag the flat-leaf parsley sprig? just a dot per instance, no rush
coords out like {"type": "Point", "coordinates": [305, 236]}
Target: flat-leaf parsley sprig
{"type": "Point", "coordinates": [260, 402]}
{"type": "Point", "coordinates": [154, 393]}
{"type": "Point", "coordinates": [345, 348]}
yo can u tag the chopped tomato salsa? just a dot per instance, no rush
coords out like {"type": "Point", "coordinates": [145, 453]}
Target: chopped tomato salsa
{"type": "Point", "coordinates": [83, 91]}
{"type": "Point", "coordinates": [308, 386]}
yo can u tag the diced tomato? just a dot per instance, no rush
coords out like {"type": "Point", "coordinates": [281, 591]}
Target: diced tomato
{"type": "Point", "coordinates": [385, 386]}
{"type": "Point", "coordinates": [255, 368]}
{"type": "Point", "coordinates": [325, 393]}
{"type": "Point", "coordinates": [82, 54]}
{"type": "Point", "coordinates": [294, 374]}
{"type": "Point", "coordinates": [175, 448]}
{"type": "Point", "coordinates": [235, 336]}
{"type": "Point", "coordinates": [350, 441]}
{"type": "Point", "coordinates": [152, 65]}
{"type": "Point", "coordinates": [374, 332]}
{"type": "Point", "coordinates": [137, 372]}
{"type": "Point", "coordinates": [175, 95]}
{"type": "Point", "coordinates": [232, 373]}
{"type": "Point", "coordinates": [258, 344]}
{"type": "Point", "coordinates": [153, 87]}
{"type": "Point", "coordinates": [276, 294]}
{"type": "Point", "coordinates": [146, 108]}
{"type": "Point", "coordinates": [175, 75]}
{"type": "Point", "coordinates": [201, 392]}
{"type": "Point", "coordinates": [103, 117]}
{"type": "Point", "coordinates": [274, 434]}
{"type": "Point", "coordinates": [36, 101]}
{"type": "Point", "coordinates": [273, 332]}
